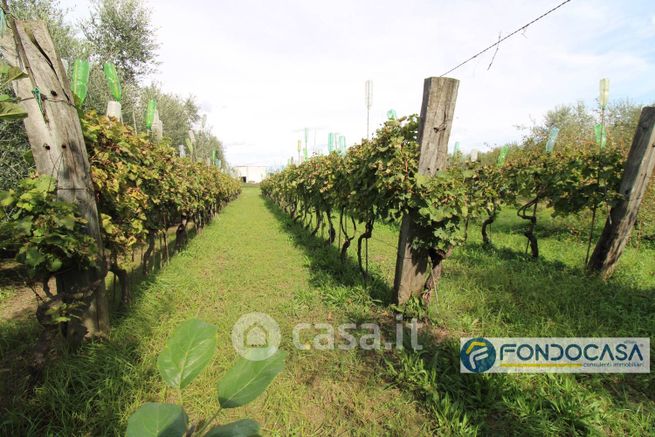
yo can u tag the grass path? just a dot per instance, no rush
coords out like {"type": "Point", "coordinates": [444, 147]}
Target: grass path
{"type": "Point", "coordinates": [244, 261]}
{"type": "Point", "coordinates": [251, 258]}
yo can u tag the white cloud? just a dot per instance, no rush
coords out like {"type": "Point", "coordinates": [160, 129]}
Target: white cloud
{"type": "Point", "coordinates": [263, 70]}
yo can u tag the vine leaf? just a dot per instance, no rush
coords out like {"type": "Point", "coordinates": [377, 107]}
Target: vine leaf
{"type": "Point", "coordinates": [187, 352]}
{"type": "Point", "coordinates": [11, 111]}
{"type": "Point", "coordinates": [248, 379]}
{"type": "Point", "coordinates": [240, 428]}
{"type": "Point", "coordinates": [157, 420]}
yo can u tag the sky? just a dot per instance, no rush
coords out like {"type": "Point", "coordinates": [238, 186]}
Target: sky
{"type": "Point", "coordinates": [263, 70]}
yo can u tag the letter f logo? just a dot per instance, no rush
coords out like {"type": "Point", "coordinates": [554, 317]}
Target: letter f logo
{"type": "Point", "coordinates": [478, 355]}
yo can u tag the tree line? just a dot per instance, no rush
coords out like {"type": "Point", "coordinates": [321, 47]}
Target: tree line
{"type": "Point", "coordinates": [120, 32]}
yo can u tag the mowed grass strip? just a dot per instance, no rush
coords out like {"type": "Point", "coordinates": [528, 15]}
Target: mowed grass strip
{"type": "Point", "coordinates": [502, 292]}
{"type": "Point", "coordinates": [244, 261]}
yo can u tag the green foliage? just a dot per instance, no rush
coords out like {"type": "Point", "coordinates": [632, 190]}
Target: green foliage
{"type": "Point", "coordinates": [9, 109]}
{"type": "Point", "coordinates": [576, 128]}
{"type": "Point", "coordinates": [15, 154]}
{"type": "Point", "coordinates": [243, 427]}
{"type": "Point", "coordinates": [247, 379]}
{"type": "Point", "coordinates": [205, 142]}
{"type": "Point", "coordinates": [576, 123]}
{"type": "Point", "coordinates": [378, 180]}
{"type": "Point", "coordinates": [157, 420]}
{"type": "Point", "coordinates": [583, 180]}
{"type": "Point", "coordinates": [414, 308]}
{"type": "Point", "coordinates": [440, 209]}
{"type": "Point", "coordinates": [374, 180]}
{"type": "Point", "coordinates": [178, 114]}
{"type": "Point", "coordinates": [121, 32]}
{"type": "Point", "coordinates": [568, 181]}
{"type": "Point", "coordinates": [46, 234]}
{"type": "Point", "coordinates": [487, 189]}
{"type": "Point", "coordinates": [51, 11]}
{"type": "Point", "coordinates": [487, 292]}
{"type": "Point", "coordinates": [144, 187]}
{"type": "Point", "coordinates": [141, 189]}
{"type": "Point", "coordinates": [188, 351]}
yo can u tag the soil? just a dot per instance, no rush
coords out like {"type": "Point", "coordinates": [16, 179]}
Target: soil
{"type": "Point", "coordinates": [17, 299]}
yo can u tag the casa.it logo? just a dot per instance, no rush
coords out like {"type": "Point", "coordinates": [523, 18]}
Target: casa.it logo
{"type": "Point", "coordinates": [478, 355]}
{"type": "Point", "coordinates": [256, 336]}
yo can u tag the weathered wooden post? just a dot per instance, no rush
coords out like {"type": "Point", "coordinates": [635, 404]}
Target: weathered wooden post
{"type": "Point", "coordinates": [55, 136]}
{"type": "Point", "coordinates": [437, 109]}
{"type": "Point", "coordinates": [622, 217]}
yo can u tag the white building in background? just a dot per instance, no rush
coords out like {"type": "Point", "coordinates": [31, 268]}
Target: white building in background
{"type": "Point", "coordinates": [251, 173]}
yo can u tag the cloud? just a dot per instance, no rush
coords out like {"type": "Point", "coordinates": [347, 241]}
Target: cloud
{"type": "Point", "coordinates": [265, 70]}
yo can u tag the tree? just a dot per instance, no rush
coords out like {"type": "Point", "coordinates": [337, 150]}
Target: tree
{"type": "Point", "coordinates": [575, 123]}
{"type": "Point", "coordinates": [576, 126]}
{"type": "Point", "coordinates": [120, 31]}
{"type": "Point", "coordinates": [622, 117]}
{"type": "Point", "coordinates": [206, 142]}
{"type": "Point", "coordinates": [178, 114]}
{"type": "Point", "coordinates": [15, 155]}
{"type": "Point", "coordinates": [63, 34]}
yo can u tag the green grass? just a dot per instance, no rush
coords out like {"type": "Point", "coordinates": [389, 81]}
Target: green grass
{"type": "Point", "coordinates": [4, 295]}
{"type": "Point", "coordinates": [502, 292]}
{"type": "Point", "coordinates": [244, 261]}
{"type": "Point", "coordinates": [252, 258]}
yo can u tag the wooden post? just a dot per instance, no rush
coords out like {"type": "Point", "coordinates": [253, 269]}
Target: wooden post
{"type": "Point", "coordinates": [622, 217]}
{"type": "Point", "coordinates": [55, 136]}
{"type": "Point", "coordinates": [437, 109]}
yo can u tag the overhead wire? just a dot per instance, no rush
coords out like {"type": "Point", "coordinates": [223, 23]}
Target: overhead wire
{"type": "Point", "coordinates": [525, 26]}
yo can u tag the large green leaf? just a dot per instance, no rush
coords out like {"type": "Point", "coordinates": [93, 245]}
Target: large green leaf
{"type": "Point", "coordinates": [7, 198]}
{"type": "Point", "coordinates": [34, 257]}
{"type": "Point", "coordinates": [240, 428]}
{"type": "Point", "coordinates": [248, 379]}
{"type": "Point", "coordinates": [10, 73]}
{"type": "Point", "coordinates": [11, 111]}
{"type": "Point", "coordinates": [187, 352]}
{"type": "Point", "coordinates": [157, 420]}
{"type": "Point", "coordinates": [54, 263]}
